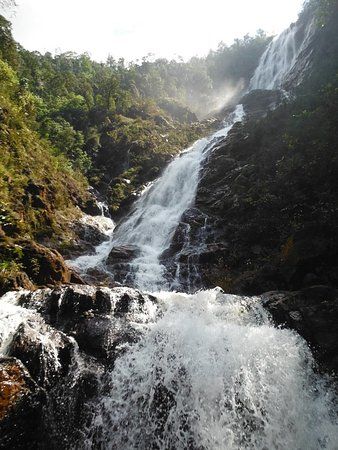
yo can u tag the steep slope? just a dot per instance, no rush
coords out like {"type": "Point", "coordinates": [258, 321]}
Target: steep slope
{"type": "Point", "coordinates": [267, 195]}
{"type": "Point", "coordinates": [38, 193]}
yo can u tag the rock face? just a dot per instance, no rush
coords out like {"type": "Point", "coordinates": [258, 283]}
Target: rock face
{"type": "Point", "coordinates": [119, 259]}
{"type": "Point", "coordinates": [88, 236]}
{"type": "Point", "coordinates": [258, 103]}
{"type": "Point", "coordinates": [39, 266]}
{"type": "Point", "coordinates": [21, 402]}
{"type": "Point", "coordinates": [268, 209]}
{"type": "Point", "coordinates": [122, 254]}
{"type": "Point", "coordinates": [313, 313]}
{"type": "Point", "coordinates": [71, 336]}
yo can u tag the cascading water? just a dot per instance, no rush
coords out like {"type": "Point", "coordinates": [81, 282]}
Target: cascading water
{"type": "Point", "coordinates": [213, 373]}
{"type": "Point", "coordinates": [106, 226]}
{"type": "Point", "coordinates": [281, 56]}
{"type": "Point", "coordinates": [157, 213]}
{"type": "Point", "coordinates": [209, 370]}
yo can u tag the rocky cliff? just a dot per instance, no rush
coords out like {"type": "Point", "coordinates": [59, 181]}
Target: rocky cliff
{"type": "Point", "coordinates": [266, 202]}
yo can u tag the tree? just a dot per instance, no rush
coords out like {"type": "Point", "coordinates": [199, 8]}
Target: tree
{"type": "Point", "coordinates": [7, 4]}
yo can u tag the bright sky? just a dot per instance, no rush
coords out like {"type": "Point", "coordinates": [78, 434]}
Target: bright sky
{"type": "Point", "coordinates": [134, 28]}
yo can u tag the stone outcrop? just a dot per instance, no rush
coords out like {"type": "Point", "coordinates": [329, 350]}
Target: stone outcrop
{"type": "Point", "coordinates": [258, 103]}
{"type": "Point", "coordinates": [119, 259]}
{"type": "Point", "coordinates": [21, 403]}
{"type": "Point", "coordinates": [71, 338]}
{"type": "Point", "coordinates": [39, 266]}
{"type": "Point", "coordinates": [313, 313]}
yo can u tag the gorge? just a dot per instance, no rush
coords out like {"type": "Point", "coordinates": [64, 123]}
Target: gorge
{"type": "Point", "coordinates": [180, 330]}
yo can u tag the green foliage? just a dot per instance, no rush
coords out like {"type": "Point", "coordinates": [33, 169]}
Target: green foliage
{"type": "Point", "coordinates": [116, 123]}
{"type": "Point", "coordinates": [67, 141]}
{"type": "Point", "coordinates": [8, 47]}
{"type": "Point", "coordinates": [34, 183]}
{"type": "Point", "coordinates": [237, 61]}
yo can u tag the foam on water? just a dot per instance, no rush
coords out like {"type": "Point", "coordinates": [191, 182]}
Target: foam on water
{"type": "Point", "coordinates": [89, 261]}
{"type": "Point", "coordinates": [213, 373]}
{"type": "Point", "coordinates": [11, 317]}
{"type": "Point", "coordinates": [280, 57]}
{"type": "Point", "coordinates": [157, 213]}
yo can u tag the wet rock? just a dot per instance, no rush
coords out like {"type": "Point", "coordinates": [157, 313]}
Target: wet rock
{"type": "Point", "coordinates": [70, 339]}
{"type": "Point", "coordinates": [99, 277]}
{"type": "Point", "coordinates": [122, 254]}
{"type": "Point", "coordinates": [259, 102]}
{"type": "Point", "coordinates": [94, 335]}
{"type": "Point", "coordinates": [43, 265]}
{"type": "Point", "coordinates": [118, 262]}
{"type": "Point", "coordinates": [313, 313]}
{"type": "Point", "coordinates": [60, 306]}
{"type": "Point", "coordinates": [99, 319]}
{"type": "Point", "coordinates": [90, 233]}
{"type": "Point", "coordinates": [46, 352]}
{"type": "Point", "coordinates": [21, 403]}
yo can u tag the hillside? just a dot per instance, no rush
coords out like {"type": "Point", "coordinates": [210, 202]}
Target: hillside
{"type": "Point", "coordinates": [68, 123]}
{"type": "Point", "coordinates": [198, 304]}
{"type": "Point", "coordinates": [268, 193]}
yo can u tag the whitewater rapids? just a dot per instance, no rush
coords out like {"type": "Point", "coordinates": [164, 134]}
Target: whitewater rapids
{"type": "Point", "coordinates": [212, 373]}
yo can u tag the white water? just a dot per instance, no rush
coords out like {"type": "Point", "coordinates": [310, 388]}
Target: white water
{"type": "Point", "coordinates": [106, 226]}
{"type": "Point", "coordinates": [210, 372]}
{"type": "Point", "coordinates": [280, 57]}
{"type": "Point", "coordinates": [158, 212]}
{"type": "Point", "coordinates": [213, 373]}
{"type": "Point", "coordinates": [12, 316]}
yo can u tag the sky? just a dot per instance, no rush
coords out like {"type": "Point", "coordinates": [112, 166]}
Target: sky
{"type": "Point", "coordinates": [134, 28]}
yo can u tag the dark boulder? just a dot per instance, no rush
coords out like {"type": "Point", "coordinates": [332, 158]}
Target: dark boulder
{"type": "Point", "coordinates": [46, 352]}
{"type": "Point", "coordinates": [33, 265]}
{"type": "Point", "coordinates": [15, 281]}
{"type": "Point", "coordinates": [43, 265]}
{"type": "Point", "coordinates": [118, 262]}
{"type": "Point", "coordinates": [68, 344]}
{"type": "Point", "coordinates": [87, 237]}
{"type": "Point", "coordinates": [21, 404]}
{"type": "Point", "coordinates": [122, 254]}
{"type": "Point", "coordinates": [91, 207]}
{"type": "Point", "coordinates": [313, 313]}
{"type": "Point", "coordinates": [259, 102]}
{"type": "Point", "coordinates": [99, 319]}
{"type": "Point", "coordinates": [67, 304]}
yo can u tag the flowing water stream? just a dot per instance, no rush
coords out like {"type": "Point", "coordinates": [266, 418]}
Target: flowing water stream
{"type": "Point", "coordinates": [282, 55]}
{"type": "Point", "coordinates": [157, 213]}
{"type": "Point", "coordinates": [210, 370]}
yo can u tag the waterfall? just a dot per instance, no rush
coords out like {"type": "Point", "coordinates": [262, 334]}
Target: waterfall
{"type": "Point", "coordinates": [106, 226]}
{"type": "Point", "coordinates": [282, 56]}
{"type": "Point", "coordinates": [157, 213]}
{"type": "Point", "coordinates": [213, 373]}
{"type": "Point", "coordinates": [202, 371]}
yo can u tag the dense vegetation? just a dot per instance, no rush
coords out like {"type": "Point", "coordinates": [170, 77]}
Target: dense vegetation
{"type": "Point", "coordinates": [68, 122]}
{"type": "Point", "coordinates": [119, 123]}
